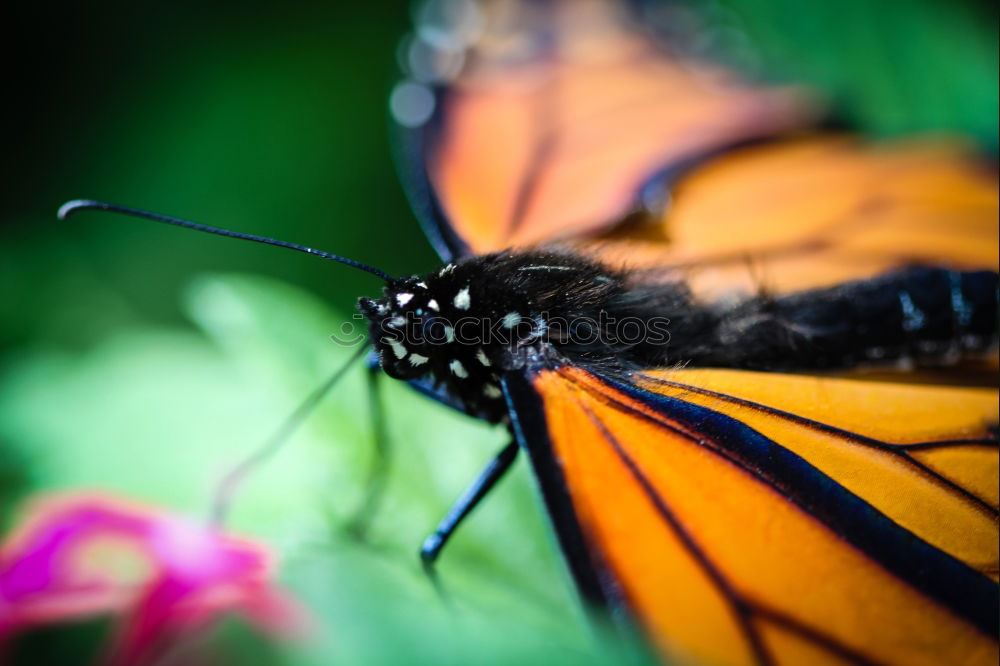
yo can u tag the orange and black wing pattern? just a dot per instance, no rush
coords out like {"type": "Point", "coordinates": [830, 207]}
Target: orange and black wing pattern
{"type": "Point", "coordinates": [526, 142]}
{"type": "Point", "coordinates": [775, 519]}
{"type": "Point", "coordinates": [816, 211]}
{"type": "Point", "coordinates": [742, 517]}
{"type": "Point", "coordinates": [568, 118]}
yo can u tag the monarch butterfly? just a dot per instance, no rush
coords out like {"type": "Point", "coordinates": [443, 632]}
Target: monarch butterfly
{"type": "Point", "coordinates": [712, 476]}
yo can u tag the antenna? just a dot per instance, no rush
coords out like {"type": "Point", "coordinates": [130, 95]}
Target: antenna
{"type": "Point", "coordinates": [231, 482]}
{"type": "Point", "coordinates": [72, 207]}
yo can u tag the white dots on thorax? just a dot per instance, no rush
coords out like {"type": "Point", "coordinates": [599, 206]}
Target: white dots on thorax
{"type": "Point", "coordinates": [404, 298]}
{"type": "Point", "coordinates": [458, 369]}
{"type": "Point", "coordinates": [462, 299]}
{"type": "Point", "coordinates": [397, 348]}
{"type": "Point", "coordinates": [482, 357]}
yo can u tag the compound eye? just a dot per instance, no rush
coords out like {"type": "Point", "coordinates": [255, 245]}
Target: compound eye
{"type": "Point", "coordinates": [394, 345]}
{"type": "Point", "coordinates": [368, 307]}
{"type": "Point", "coordinates": [394, 369]}
{"type": "Point", "coordinates": [398, 359]}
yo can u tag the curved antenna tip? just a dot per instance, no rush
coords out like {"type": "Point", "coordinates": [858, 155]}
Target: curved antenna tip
{"type": "Point", "coordinates": [71, 207]}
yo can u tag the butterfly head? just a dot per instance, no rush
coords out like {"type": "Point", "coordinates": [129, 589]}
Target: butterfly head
{"type": "Point", "coordinates": [406, 325]}
{"type": "Point", "coordinates": [469, 323]}
{"type": "Point", "coordinates": [434, 325]}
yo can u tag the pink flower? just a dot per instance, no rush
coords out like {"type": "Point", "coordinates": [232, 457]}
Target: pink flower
{"type": "Point", "coordinates": [81, 554]}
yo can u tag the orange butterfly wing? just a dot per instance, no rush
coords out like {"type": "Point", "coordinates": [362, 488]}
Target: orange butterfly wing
{"type": "Point", "coordinates": [743, 517]}
{"type": "Point", "coordinates": [566, 118]}
{"type": "Point", "coordinates": [757, 519]}
{"type": "Point", "coordinates": [530, 145]}
{"type": "Point", "coordinates": [817, 211]}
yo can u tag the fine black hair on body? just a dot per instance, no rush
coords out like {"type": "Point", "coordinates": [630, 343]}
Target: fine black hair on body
{"type": "Point", "coordinates": [472, 321]}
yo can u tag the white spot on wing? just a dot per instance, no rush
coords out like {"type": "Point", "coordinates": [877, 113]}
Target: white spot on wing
{"type": "Point", "coordinates": [422, 284]}
{"type": "Point", "coordinates": [458, 369]}
{"type": "Point", "coordinates": [462, 299]}
{"type": "Point", "coordinates": [482, 357]}
{"type": "Point", "coordinates": [433, 304]}
{"type": "Point", "coordinates": [511, 319]}
{"type": "Point", "coordinates": [418, 359]}
{"type": "Point", "coordinates": [397, 348]}
{"type": "Point", "coordinates": [492, 391]}
{"type": "Point", "coordinates": [403, 299]}
{"type": "Point", "coordinates": [397, 321]}
{"type": "Point", "coordinates": [449, 334]}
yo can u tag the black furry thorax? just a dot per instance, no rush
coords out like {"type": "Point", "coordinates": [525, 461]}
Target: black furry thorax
{"type": "Point", "coordinates": [470, 322]}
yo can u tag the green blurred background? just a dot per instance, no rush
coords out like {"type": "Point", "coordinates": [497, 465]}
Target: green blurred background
{"type": "Point", "coordinates": [148, 360]}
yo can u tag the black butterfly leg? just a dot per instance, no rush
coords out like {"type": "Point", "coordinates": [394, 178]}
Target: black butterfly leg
{"type": "Point", "coordinates": [378, 472]}
{"type": "Point", "coordinates": [433, 544]}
